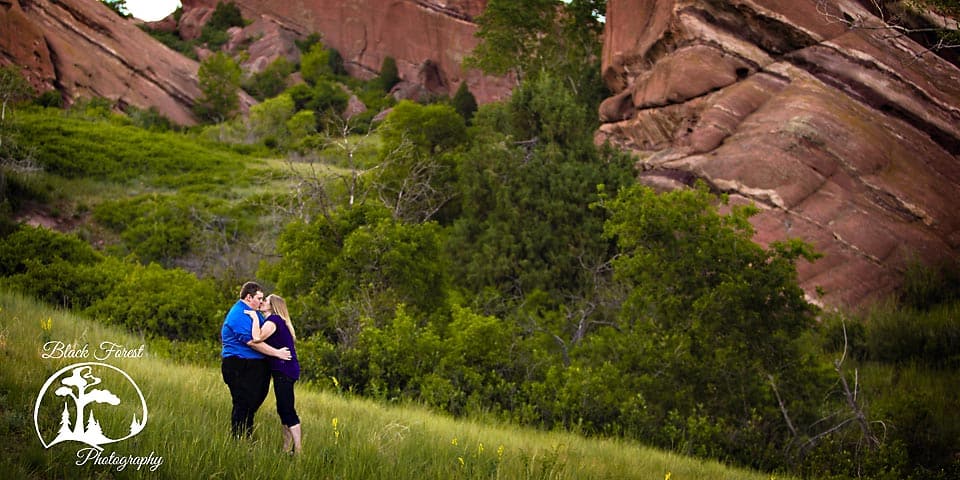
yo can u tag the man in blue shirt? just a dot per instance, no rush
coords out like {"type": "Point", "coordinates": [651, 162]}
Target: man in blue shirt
{"type": "Point", "coordinates": [243, 363]}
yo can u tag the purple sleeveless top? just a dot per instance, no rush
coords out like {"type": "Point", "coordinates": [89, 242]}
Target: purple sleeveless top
{"type": "Point", "coordinates": [283, 338]}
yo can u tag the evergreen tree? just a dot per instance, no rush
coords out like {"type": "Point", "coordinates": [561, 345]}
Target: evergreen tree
{"type": "Point", "coordinates": [65, 422]}
{"type": "Point", "coordinates": [336, 63]}
{"type": "Point", "coordinates": [389, 75]}
{"type": "Point", "coordinates": [464, 102]}
{"type": "Point", "coordinates": [93, 428]}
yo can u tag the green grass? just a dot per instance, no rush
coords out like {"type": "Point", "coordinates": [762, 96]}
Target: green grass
{"type": "Point", "coordinates": [344, 437]}
{"type": "Point", "coordinates": [75, 147]}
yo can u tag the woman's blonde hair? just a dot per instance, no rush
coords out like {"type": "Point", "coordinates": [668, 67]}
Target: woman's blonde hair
{"type": "Point", "coordinates": [279, 306]}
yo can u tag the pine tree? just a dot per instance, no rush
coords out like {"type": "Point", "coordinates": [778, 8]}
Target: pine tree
{"type": "Point", "coordinates": [135, 426]}
{"type": "Point", "coordinates": [389, 75]}
{"type": "Point", "coordinates": [93, 428]}
{"type": "Point", "coordinates": [464, 102]}
{"type": "Point", "coordinates": [64, 422]}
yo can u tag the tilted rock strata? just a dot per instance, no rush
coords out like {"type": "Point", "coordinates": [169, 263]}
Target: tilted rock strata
{"type": "Point", "coordinates": [419, 34]}
{"type": "Point", "coordinates": [84, 49]}
{"type": "Point", "coordinates": [846, 138]}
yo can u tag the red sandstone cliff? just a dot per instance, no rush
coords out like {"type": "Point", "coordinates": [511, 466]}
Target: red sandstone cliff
{"type": "Point", "coordinates": [84, 49]}
{"type": "Point", "coordinates": [428, 38]}
{"type": "Point", "coordinates": [844, 137]}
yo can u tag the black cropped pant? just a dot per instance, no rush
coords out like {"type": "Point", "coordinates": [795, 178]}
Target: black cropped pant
{"type": "Point", "coordinates": [283, 390]}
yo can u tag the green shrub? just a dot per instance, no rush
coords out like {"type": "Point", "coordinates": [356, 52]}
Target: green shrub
{"type": "Point", "coordinates": [91, 109]}
{"type": "Point", "coordinates": [149, 119]}
{"type": "Point", "coordinates": [305, 44]}
{"type": "Point", "coordinates": [56, 268]}
{"type": "Point", "coordinates": [336, 62]}
{"type": "Point", "coordinates": [315, 64]}
{"type": "Point", "coordinates": [157, 302]}
{"type": "Point", "coordinates": [270, 81]}
{"type": "Point", "coordinates": [318, 359]}
{"type": "Point", "coordinates": [50, 99]}
{"type": "Point", "coordinates": [162, 228]}
{"type": "Point", "coordinates": [225, 15]}
{"type": "Point", "coordinates": [837, 331]}
{"type": "Point", "coordinates": [328, 96]}
{"type": "Point", "coordinates": [389, 75]}
{"type": "Point", "coordinates": [30, 247]}
{"type": "Point", "coordinates": [173, 41]}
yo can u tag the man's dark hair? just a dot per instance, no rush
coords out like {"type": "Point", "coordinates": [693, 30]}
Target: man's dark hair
{"type": "Point", "coordinates": [250, 288]}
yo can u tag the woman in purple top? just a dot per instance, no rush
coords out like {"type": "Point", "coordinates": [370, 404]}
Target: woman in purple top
{"type": "Point", "coordinates": [277, 330]}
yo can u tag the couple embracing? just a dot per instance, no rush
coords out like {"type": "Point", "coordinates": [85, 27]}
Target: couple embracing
{"type": "Point", "coordinates": [258, 343]}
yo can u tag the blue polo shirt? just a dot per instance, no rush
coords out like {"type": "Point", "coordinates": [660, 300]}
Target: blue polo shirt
{"type": "Point", "coordinates": [236, 333]}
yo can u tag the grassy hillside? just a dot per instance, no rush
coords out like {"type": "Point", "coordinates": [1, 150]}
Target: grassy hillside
{"type": "Point", "coordinates": [344, 437]}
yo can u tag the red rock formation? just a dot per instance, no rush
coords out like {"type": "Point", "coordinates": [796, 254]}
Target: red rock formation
{"type": "Point", "coordinates": [416, 33]}
{"type": "Point", "coordinates": [84, 49]}
{"type": "Point", "coordinates": [846, 138]}
{"type": "Point", "coordinates": [269, 40]}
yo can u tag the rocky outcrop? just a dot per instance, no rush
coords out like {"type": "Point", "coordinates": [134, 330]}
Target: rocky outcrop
{"type": "Point", "coordinates": [848, 138]}
{"type": "Point", "coordinates": [264, 40]}
{"type": "Point", "coordinates": [84, 49]}
{"type": "Point", "coordinates": [419, 34]}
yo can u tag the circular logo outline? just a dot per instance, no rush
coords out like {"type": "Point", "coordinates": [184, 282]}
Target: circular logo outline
{"type": "Point", "coordinates": [56, 375]}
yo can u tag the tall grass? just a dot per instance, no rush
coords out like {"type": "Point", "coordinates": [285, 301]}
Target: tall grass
{"type": "Point", "coordinates": [344, 437]}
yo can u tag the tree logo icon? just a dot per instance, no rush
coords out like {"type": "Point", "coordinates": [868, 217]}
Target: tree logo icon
{"type": "Point", "coordinates": [75, 405]}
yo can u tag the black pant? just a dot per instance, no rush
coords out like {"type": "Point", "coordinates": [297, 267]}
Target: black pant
{"type": "Point", "coordinates": [249, 383]}
{"type": "Point", "coordinates": [283, 390]}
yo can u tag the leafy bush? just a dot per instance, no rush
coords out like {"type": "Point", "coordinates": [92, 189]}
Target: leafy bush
{"type": "Point", "coordinates": [163, 228]}
{"type": "Point", "coordinates": [315, 64]}
{"type": "Point", "coordinates": [922, 420]}
{"type": "Point", "coordinates": [29, 247]}
{"type": "Point", "coordinates": [335, 62]}
{"type": "Point", "coordinates": [305, 44]}
{"type": "Point", "coordinates": [270, 81]}
{"type": "Point", "coordinates": [430, 128]}
{"type": "Point", "coordinates": [50, 99]}
{"type": "Point", "coordinates": [225, 16]}
{"type": "Point", "coordinates": [149, 119]}
{"type": "Point", "coordinates": [156, 302]}
{"type": "Point", "coordinates": [56, 268]}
